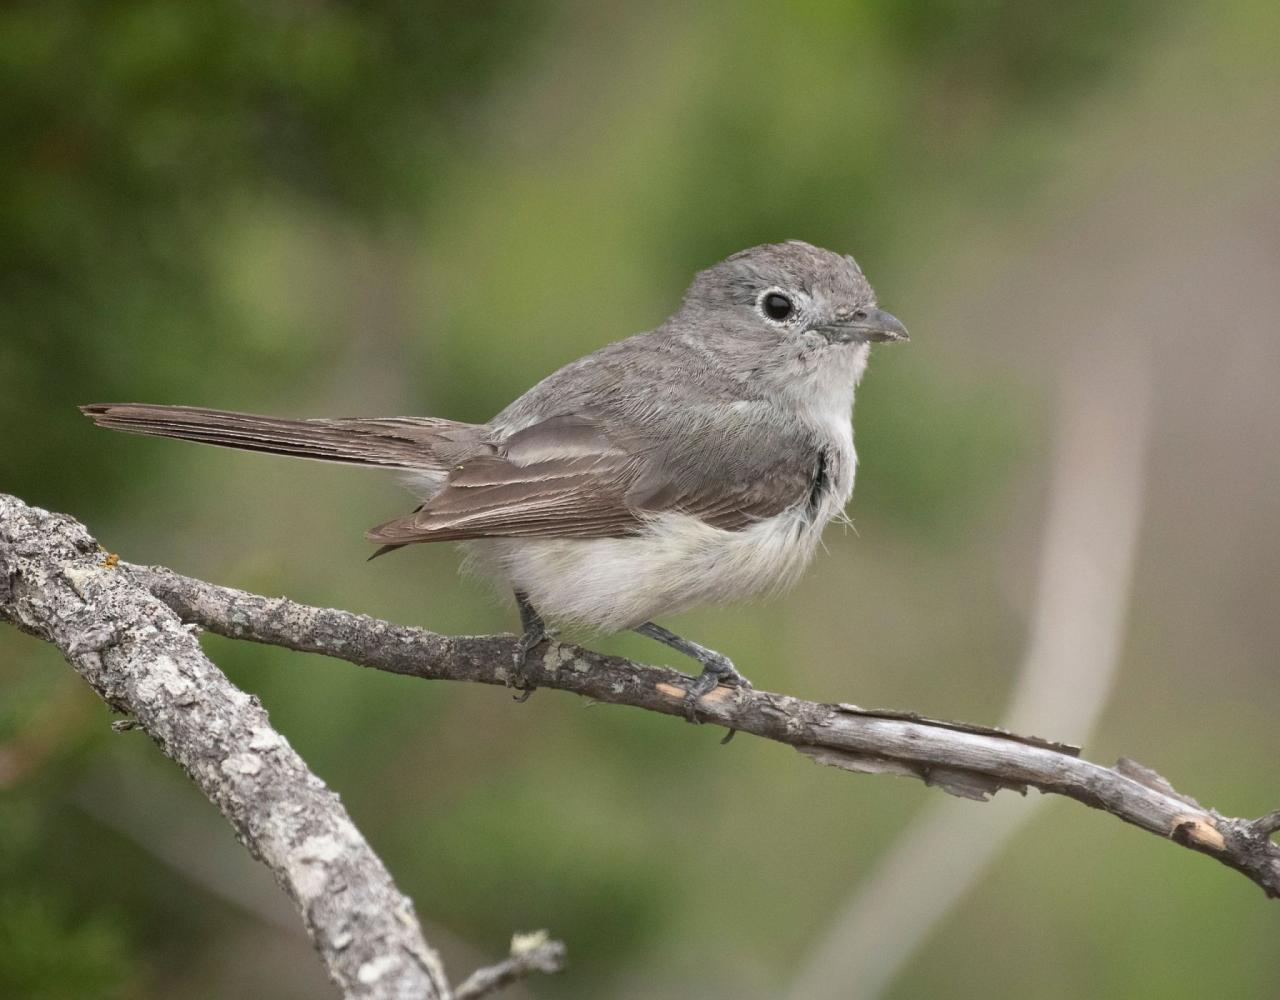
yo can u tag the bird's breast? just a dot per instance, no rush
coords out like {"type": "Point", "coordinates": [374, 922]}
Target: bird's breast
{"type": "Point", "coordinates": [677, 562]}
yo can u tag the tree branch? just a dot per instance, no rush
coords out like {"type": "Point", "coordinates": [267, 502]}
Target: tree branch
{"type": "Point", "coordinates": [970, 761]}
{"type": "Point", "coordinates": [530, 953]}
{"type": "Point", "coordinates": [1074, 640]}
{"type": "Point", "coordinates": [58, 584]}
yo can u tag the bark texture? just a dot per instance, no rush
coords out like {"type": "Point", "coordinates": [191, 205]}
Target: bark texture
{"type": "Point", "coordinates": [128, 631]}
{"type": "Point", "coordinates": [965, 760]}
{"type": "Point", "coordinates": [59, 585]}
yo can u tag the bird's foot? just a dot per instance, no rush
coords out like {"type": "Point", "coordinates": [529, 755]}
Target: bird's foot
{"type": "Point", "coordinates": [534, 633]}
{"type": "Point", "coordinates": [519, 677]}
{"type": "Point", "coordinates": [717, 669]}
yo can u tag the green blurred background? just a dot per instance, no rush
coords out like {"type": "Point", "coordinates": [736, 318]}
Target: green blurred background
{"type": "Point", "coordinates": [391, 207]}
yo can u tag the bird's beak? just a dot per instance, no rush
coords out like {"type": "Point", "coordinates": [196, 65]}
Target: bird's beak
{"type": "Point", "coordinates": [873, 325]}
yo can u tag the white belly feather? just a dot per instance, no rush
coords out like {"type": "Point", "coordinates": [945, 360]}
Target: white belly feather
{"type": "Point", "coordinates": [611, 584]}
{"type": "Point", "coordinates": [678, 562]}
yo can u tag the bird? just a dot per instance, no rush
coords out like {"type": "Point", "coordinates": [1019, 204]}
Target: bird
{"type": "Point", "coordinates": [695, 463]}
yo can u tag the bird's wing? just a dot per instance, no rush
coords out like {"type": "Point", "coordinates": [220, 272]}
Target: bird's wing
{"type": "Point", "coordinates": [571, 476]}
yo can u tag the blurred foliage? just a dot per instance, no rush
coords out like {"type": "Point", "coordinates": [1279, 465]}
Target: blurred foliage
{"type": "Point", "coordinates": [423, 207]}
{"type": "Point", "coordinates": [48, 955]}
{"type": "Point", "coordinates": [133, 127]}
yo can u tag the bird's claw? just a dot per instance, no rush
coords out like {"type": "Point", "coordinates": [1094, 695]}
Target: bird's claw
{"type": "Point", "coordinates": [715, 672]}
{"type": "Point", "coordinates": [519, 677]}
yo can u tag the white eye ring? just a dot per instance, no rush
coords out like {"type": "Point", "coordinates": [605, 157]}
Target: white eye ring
{"type": "Point", "coordinates": [776, 305]}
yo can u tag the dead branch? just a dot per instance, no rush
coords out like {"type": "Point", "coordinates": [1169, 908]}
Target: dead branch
{"type": "Point", "coordinates": [966, 760]}
{"type": "Point", "coordinates": [530, 953]}
{"type": "Point", "coordinates": [121, 627]}
{"type": "Point", "coordinates": [1074, 641]}
{"type": "Point", "coordinates": [58, 584]}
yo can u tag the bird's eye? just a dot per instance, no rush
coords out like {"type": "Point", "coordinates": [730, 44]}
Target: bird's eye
{"type": "Point", "coordinates": [776, 306]}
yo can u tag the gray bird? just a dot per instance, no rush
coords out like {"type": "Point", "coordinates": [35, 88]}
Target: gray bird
{"type": "Point", "coordinates": [695, 463]}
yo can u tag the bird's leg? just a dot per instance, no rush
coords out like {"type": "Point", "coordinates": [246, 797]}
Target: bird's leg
{"type": "Point", "coordinates": [716, 667]}
{"type": "Point", "coordinates": [533, 630]}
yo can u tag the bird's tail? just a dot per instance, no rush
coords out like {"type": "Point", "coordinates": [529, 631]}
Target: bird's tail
{"type": "Point", "coordinates": [418, 443]}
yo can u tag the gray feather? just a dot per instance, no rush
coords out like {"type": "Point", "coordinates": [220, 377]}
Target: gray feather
{"type": "Point", "coordinates": [388, 442]}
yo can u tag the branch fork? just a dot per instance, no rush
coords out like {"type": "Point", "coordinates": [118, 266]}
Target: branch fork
{"type": "Point", "coordinates": [128, 631]}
